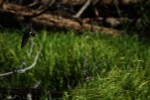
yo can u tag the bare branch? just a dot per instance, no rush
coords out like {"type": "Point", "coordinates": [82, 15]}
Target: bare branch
{"type": "Point", "coordinates": [31, 48]}
{"type": "Point", "coordinates": [82, 9]}
{"type": "Point", "coordinates": [25, 69]}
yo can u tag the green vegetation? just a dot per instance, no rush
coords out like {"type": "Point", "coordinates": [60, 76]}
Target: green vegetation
{"type": "Point", "coordinates": [92, 66]}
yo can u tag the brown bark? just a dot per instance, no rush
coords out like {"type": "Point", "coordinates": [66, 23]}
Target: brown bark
{"type": "Point", "coordinates": [50, 20]}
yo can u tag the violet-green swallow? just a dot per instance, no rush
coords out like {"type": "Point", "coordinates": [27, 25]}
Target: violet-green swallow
{"type": "Point", "coordinates": [26, 35]}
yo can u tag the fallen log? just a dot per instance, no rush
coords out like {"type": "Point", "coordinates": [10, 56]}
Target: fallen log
{"type": "Point", "coordinates": [60, 22]}
{"type": "Point", "coordinates": [49, 20]}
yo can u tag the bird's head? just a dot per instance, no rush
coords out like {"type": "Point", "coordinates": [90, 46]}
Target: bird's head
{"type": "Point", "coordinates": [32, 33]}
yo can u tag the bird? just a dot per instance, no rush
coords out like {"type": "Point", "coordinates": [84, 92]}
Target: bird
{"type": "Point", "coordinates": [26, 35]}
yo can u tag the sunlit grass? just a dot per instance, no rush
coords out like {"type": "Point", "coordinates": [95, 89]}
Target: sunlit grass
{"type": "Point", "coordinates": [91, 66]}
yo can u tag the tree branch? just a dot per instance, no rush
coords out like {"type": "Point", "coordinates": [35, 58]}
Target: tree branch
{"type": "Point", "coordinates": [25, 69]}
{"type": "Point", "coordinates": [87, 3]}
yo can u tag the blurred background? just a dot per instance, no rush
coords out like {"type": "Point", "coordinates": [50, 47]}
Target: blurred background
{"type": "Point", "coordinates": [82, 49]}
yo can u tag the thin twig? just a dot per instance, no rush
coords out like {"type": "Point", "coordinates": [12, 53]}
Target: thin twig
{"type": "Point", "coordinates": [33, 64]}
{"type": "Point", "coordinates": [31, 48]}
{"type": "Point", "coordinates": [25, 69]}
{"type": "Point", "coordinates": [82, 9]}
{"type": "Point", "coordinates": [118, 10]}
{"type": "Point", "coordinates": [29, 96]}
{"type": "Point", "coordinates": [117, 7]}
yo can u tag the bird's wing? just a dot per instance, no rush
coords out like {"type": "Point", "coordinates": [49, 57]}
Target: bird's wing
{"type": "Point", "coordinates": [24, 39]}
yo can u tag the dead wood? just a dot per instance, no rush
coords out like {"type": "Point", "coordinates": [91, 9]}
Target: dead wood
{"type": "Point", "coordinates": [49, 20]}
{"type": "Point", "coordinates": [105, 2]}
{"type": "Point", "coordinates": [99, 13]}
